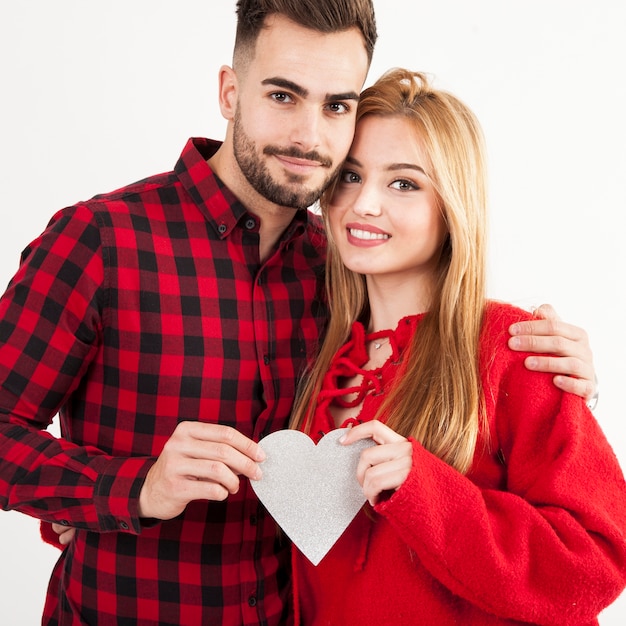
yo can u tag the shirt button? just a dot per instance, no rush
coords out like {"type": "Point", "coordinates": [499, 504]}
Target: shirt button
{"type": "Point", "coordinates": [222, 228]}
{"type": "Point", "coordinates": [64, 522]}
{"type": "Point", "coordinates": [252, 601]}
{"type": "Point", "coordinates": [266, 359]}
{"type": "Point", "coordinates": [123, 525]}
{"type": "Point", "coordinates": [253, 520]}
{"type": "Point", "coordinates": [250, 224]}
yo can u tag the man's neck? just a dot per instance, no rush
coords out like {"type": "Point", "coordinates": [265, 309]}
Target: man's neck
{"type": "Point", "coordinates": [274, 219]}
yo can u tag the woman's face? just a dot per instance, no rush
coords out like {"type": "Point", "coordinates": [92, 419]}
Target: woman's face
{"type": "Point", "coordinates": [384, 214]}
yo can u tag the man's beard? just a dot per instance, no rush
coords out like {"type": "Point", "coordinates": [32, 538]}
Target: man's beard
{"type": "Point", "coordinates": [294, 195]}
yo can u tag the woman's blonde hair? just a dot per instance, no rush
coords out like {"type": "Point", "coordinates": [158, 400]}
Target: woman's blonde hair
{"type": "Point", "coordinates": [436, 397]}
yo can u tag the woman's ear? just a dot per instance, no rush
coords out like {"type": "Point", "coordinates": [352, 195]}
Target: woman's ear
{"type": "Point", "coordinates": [228, 92]}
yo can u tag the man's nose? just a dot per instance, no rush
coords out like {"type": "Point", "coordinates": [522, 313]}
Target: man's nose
{"type": "Point", "coordinates": [307, 127]}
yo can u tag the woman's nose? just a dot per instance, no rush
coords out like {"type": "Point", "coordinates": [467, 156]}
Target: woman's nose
{"type": "Point", "coordinates": [367, 202]}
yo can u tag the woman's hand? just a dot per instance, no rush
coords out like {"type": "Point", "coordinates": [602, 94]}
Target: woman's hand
{"type": "Point", "coordinates": [384, 467]}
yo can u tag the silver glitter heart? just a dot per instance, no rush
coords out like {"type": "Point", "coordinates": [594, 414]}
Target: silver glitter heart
{"type": "Point", "coordinates": [311, 491]}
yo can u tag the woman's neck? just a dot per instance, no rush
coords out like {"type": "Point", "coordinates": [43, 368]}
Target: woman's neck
{"type": "Point", "coordinates": [391, 300]}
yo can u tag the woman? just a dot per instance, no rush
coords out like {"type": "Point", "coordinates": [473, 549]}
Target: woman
{"type": "Point", "coordinates": [493, 497]}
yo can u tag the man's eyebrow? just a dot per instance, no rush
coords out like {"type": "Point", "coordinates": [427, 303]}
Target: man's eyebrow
{"type": "Point", "coordinates": [336, 97]}
{"type": "Point", "coordinates": [289, 85]}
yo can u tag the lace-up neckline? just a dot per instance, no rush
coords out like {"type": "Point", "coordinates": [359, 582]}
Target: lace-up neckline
{"type": "Point", "coordinates": [366, 384]}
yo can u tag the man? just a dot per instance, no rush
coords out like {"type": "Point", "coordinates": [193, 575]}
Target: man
{"type": "Point", "coordinates": [167, 322]}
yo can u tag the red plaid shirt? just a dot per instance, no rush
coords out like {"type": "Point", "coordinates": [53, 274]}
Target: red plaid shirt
{"type": "Point", "coordinates": [134, 311]}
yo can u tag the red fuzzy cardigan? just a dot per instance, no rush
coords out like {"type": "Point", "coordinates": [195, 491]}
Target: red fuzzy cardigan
{"type": "Point", "coordinates": [535, 533]}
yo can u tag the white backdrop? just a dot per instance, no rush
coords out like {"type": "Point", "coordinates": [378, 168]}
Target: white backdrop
{"type": "Point", "coordinates": [96, 95]}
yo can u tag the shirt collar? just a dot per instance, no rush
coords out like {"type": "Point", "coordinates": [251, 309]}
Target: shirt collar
{"type": "Point", "coordinates": [217, 202]}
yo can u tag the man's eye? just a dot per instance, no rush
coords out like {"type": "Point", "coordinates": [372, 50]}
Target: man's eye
{"type": "Point", "coordinates": [280, 97]}
{"type": "Point", "coordinates": [338, 107]}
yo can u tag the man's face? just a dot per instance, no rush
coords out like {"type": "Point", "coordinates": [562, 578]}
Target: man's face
{"type": "Point", "coordinates": [296, 107]}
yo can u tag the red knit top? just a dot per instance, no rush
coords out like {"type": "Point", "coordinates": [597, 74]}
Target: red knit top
{"type": "Point", "coordinates": [534, 533]}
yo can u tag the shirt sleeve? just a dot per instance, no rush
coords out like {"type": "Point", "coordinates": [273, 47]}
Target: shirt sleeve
{"type": "Point", "coordinates": [549, 547]}
{"type": "Point", "coordinates": [50, 332]}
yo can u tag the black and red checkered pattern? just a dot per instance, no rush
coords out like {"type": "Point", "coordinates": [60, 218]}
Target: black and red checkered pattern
{"type": "Point", "coordinates": [132, 312]}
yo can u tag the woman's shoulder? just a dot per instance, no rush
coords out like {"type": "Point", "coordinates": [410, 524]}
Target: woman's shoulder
{"type": "Point", "coordinates": [507, 382]}
{"type": "Point", "coordinates": [497, 319]}
{"type": "Point", "coordinates": [500, 315]}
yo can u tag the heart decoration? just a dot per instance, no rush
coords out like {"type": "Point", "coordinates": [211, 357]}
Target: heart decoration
{"type": "Point", "coordinates": [311, 491]}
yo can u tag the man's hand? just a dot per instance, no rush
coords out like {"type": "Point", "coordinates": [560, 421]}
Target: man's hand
{"type": "Point", "coordinates": [199, 462]}
{"type": "Point", "coordinates": [573, 363]}
{"type": "Point", "coordinates": [65, 533]}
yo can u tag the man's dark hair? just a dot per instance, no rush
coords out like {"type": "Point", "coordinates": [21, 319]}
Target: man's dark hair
{"type": "Point", "coordinates": [324, 16]}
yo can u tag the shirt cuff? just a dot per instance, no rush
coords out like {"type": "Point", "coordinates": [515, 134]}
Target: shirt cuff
{"type": "Point", "coordinates": [116, 493]}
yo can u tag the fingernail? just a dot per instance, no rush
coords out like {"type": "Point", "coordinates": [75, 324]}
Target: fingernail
{"type": "Point", "coordinates": [343, 437]}
{"type": "Point", "coordinates": [515, 343]}
{"type": "Point", "coordinates": [532, 363]}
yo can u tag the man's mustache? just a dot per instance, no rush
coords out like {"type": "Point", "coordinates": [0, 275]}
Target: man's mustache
{"type": "Point", "coordinates": [298, 154]}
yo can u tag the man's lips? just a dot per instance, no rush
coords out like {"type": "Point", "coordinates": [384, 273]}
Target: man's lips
{"type": "Point", "coordinates": [298, 161]}
{"type": "Point", "coordinates": [298, 165]}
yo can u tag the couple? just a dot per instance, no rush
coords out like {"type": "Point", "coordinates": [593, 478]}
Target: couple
{"type": "Point", "coordinates": [168, 322]}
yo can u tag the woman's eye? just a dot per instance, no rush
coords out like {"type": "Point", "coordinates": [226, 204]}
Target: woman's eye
{"type": "Point", "coordinates": [404, 185]}
{"type": "Point", "coordinates": [350, 177]}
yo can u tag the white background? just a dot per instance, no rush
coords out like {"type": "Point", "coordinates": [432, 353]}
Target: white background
{"type": "Point", "coordinates": [95, 95]}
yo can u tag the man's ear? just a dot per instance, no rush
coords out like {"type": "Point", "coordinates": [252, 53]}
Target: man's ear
{"type": "Point", "coordinates": [228, 91]}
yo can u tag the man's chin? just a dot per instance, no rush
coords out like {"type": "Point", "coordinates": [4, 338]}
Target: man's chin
{"type": "Point", "coordinates": [296, 196]}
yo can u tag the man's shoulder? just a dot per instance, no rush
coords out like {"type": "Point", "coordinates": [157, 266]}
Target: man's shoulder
{"type": "Point", "coordinates": [134, 191]}
{"type": "Point", "coordinates": [165, 188]}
